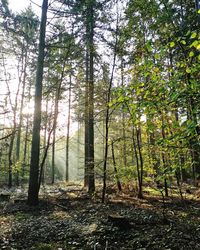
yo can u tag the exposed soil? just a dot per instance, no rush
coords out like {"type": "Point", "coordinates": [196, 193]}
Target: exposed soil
{"type": "Point", "coordinates": [68, 218]}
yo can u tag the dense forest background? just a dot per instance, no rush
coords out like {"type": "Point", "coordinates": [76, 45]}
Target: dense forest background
{"type": "Point", "coordinates": [100, 90]}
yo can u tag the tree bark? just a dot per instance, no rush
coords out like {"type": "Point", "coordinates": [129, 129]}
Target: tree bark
{"type": "Point", "coordinates": [18, 142]}
{"type": "Point", "coordinates": [138, 139]}
{"type": "Point", "coordinates": [164, 160]}
{"type": "Point", "coordinates": [119, 186]}
{"type": "Point", "coordinates": [68, 128]}
{"type": "Point", "coordinates": [33, 191]}
{"type": "Point", "coordinates": [107, 119]}
{"type": "Point", "coordinates": [89, 118]}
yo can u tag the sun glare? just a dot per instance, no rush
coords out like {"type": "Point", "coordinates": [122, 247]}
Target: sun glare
{"type": "Point", "coordinates": [18, 6]}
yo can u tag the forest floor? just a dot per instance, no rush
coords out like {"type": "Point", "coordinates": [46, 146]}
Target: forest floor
{"type": "Point", "coordinates": [67, 218]}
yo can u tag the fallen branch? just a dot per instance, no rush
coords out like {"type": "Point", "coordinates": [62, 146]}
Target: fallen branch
{"type": "Point", "coordinates": [63, 207]}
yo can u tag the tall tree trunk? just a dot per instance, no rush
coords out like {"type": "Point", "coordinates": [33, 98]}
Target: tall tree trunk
{"type": "Point", "coordinates": [18, 141]}
{"type": "Point", "coordinates": [137, 163]}
{"type": "Point", "coordinates": [14, 109]}
{"type": "Point", "coordinates": [89, 118]}
{"type": "Point", "coordinates": [123, 118]}
{"type": "Point", "coordinates": [164, 160]}
{"type": "Point", "coordinates": [10, 162]}
{"type": "Point", "coordinates": [53, 153]}
{"type": "Point", "coordinates": [194, 140]}
{"type": "Point", "coordinates": [153, 156]}
{"type": "Point", "coordinates": [138, 140]}
{"type": "Point", "coordinates": [79, 137]}
{"type": "Point", "coordinates": [24, 162]}
{"type": "Point", "coordinates": [86, 127]}
{"type": "Point", "coordinates": [45, 142]}
{"type": "Point", "coordinates": [33, 190]}
{"type": "Point", "coordinates": [108, 117]}
{"type": "Point", "coordinates": [68, 128]}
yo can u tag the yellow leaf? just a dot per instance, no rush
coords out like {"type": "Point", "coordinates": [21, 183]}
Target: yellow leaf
{"type": "Point", "coordinates": [156, 69]}
{"type": "Point", "coordinates": [198, 11]}
{"type": "Point", "coordinates": [198, 47]}
{"type": "Point", "coordinates": [172, 44]}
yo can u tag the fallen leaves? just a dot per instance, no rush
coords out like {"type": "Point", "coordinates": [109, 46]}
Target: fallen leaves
{"type": "Point", "coordinates": [81, 223]}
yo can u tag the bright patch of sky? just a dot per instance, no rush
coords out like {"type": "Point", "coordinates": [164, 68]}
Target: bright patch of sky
{"type": "Point", "coordinates": [17, 6]}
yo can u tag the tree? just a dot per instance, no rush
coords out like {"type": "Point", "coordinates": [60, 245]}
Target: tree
{"type": "Point", "coordinates": [89, 97]}
{"type": "Point", "coordinates": [20, 30]}
{"type": "Point", "coordinates": [107, 118]}
{"type": "Point", "coordinates": [33, 190]}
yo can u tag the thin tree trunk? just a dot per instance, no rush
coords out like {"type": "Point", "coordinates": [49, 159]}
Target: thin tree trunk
{"type": "Point", "coordinates": [86, 123]}
{"type": "Point", "coordinates": [119, 186]}
{"type": "Point", "coordinates": [53, 130]}
{"type": "Point", "coordinates": [123, 118]}
{"type": "Point", "coordinates": [10, 162]}
{"type": "Point", "coordinates": [79, 141]}
{"type": "Point", "coordinates": [164, 159]}
{"type": "Point", "coordinates": [107, 118]}
{"type": "Point", "coordinates": [44, 158]}
{"type": "Point", "coordinates": [14, 109]}
{"type": "Point", "coordinates": [68, 129]}
{"type": "Point", "coordinates": [18, 142]}
{"type": "Point", "coordinates": [138, 139]}
{"type": "Point", "coordinates": [42, 171]}
{"type": "Point", "coordinates": [137, 163]}
{"type": "Point", "coordinates": [53, 152]}
{"type": "Point", "coordinates": [25, 149]}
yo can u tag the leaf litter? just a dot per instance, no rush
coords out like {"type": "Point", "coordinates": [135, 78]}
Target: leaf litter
{"type": "Point", "coordinates": [70, 219]}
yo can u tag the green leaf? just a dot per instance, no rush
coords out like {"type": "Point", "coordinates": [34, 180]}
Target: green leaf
{"type": "Point", "coordinates": [146, 73]}
{"type": "Point", "coordinates": [188, 33]}
{"type": "Point", "coordinates": [191, 54]}
{"type": "Point", "coordinates": [175, 96]}
{"type": "Point", "coordinates": [188, 70]}
{"type": "Point", "coordinates": [183, 42]}
{"type": "Point", "coordinates": [157, 56]}
{"type": "Point", "coordinates": [148, 46]}
{"type": "Point", "coordinates": [194, 35]}
{"type": "Point", "coordinates": [194, 44]}
{"type": "Point", "coordinates": [172, 44]}
{"type": "Point", "coordinates": [183, 64]}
